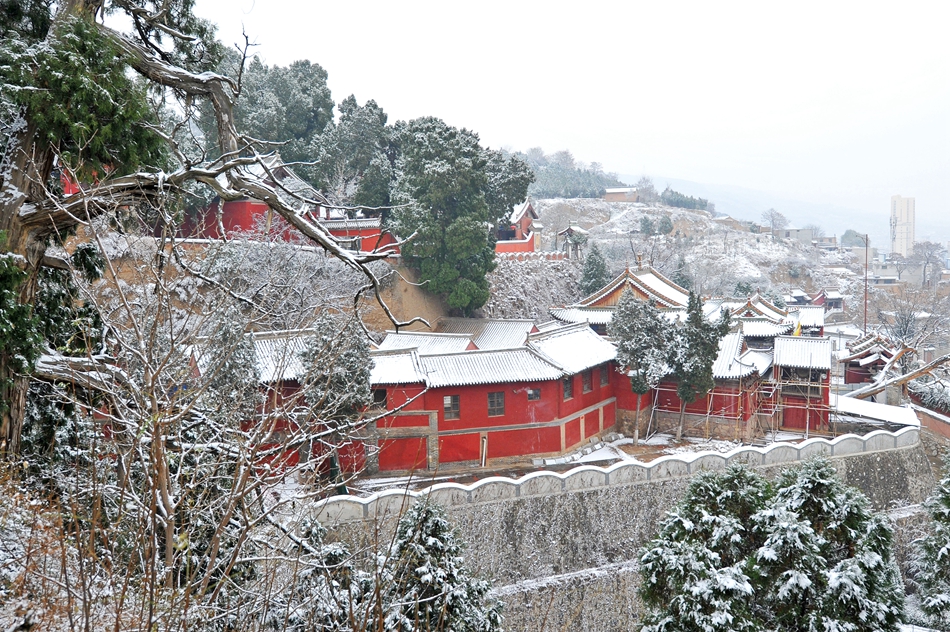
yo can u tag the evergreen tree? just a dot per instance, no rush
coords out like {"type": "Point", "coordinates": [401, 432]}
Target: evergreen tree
{"type": "Point", "coordinates": [430, 587]}
{"type": "Point", "coordinates": [594, 276]}
{"type": "Point", "coordinates": [693, 350]}
{"type": "Point", "coordinates": [451, 191]}
{"type": "Point", "coordinates": [931, 562]}
{"type": "Point", "coordinates": [664, 225]}
{"type": "Point", "coordinates": [641, 335]}
{"type": "Point", "coordinates": [351, 155]}
{"type": "Point", "coordinates": [646, 226]}
{"type": "Point", "coordinates": [741, 554]}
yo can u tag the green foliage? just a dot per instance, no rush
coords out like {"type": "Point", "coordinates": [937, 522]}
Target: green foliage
{"type": "Point", "coordinates": [557, 175]}
{"type": "Point", "coordinates": [76, 90]}
{"type": "Point", "coordinates": [20, 331]}
{"type": "Point", "coordinates": [694, 349]}
{"type": "Point", "coordinates": [931, 562]}
{"type": "Point", "coordinates": [337, 366]}
{"type": "Point", "coordinates": [741, 554]}
{"type": "Point", "coordinates": [679, 200]}
{"type": "Point", "coordinates": [290, 105]}
{"type": "Point", "coordinates": [29, 19]}
{"type": "Point", "coordinates": [642, 336]}
{"type": "Point", "coordinates": [451, 195]}
{"type": "Point", "coordinates": [432, 589]}
{"type": "Point", "coordinates": [595, 275]}
{"type": "Point", "coordinates": [664, 226]}
{"type": "Point", "coordinates": [70, 325]}
{"type": "Point", "coordinates": [743, 289]}
{"type": "Point", "coordinates": [352, 164]}
{"type": "Point", "coordinates": [647, 227]}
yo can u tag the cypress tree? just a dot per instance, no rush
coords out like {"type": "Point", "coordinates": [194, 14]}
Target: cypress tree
{"type": "Point", "coordinates": [595, 275]}
{"type": "Point", "coordinates": [693, 351]}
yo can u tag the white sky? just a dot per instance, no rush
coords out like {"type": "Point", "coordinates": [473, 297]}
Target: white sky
{"type": "Point", "coordinates": [842, 103]}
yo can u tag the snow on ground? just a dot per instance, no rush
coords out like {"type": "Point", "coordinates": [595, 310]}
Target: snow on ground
{"type": "Point", "coordinates": [716, 252]}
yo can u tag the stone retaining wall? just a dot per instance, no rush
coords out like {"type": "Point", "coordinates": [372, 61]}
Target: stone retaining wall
{"type": "Point", "coordinates": [561, 549]}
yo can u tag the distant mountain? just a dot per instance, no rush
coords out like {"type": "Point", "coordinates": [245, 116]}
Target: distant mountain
{"type": "Point", "coordinates": [748, 204]}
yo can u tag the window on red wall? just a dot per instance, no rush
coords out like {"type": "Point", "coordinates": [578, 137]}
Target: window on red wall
{"type": "Point", "coordinates": [605, 375]}
{"type": "Point", "coordinates": [450, 406]}
{"type": "Point", "coordinates": [379, 398]}
{"type": "Point", "coordinates": [534, 394]}
{"type": "Point", "coordinates": [587, 379]}
{"type": "Point", "coordinates": [568, 385]}
{"type": "Point", "coordinates": [496, 404]}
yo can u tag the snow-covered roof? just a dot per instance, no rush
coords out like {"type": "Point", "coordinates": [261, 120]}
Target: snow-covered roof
{"type": "Point", "coordinates": [396, 366]}
{"type": "Point", "coordinates": [832, 294]}
{"type": "Point", "coordinates": [548, 326]}
{"type": "Point", "coordinates": [763, 328]}
{"type": "Point", "coordinates": [644, 280]}
{"type": "Point", "coordinates": [732, 363]}
{"type": "Point", "coordinates": [727, 365]}
{"type": "Point", "coordinates": [573, 228]}
{"type": "Point", "coordinates": [489, 333]}
{"type": "Point", "coordinates": [802, 352]}
{"type": "Point", "coordinates": [574, 348]}
{"type": "Point", "coordinates": [518, 211]}
{"type": "Point", "coordinates": [277, 354]}
{"type": "Point", "coordinates": [493, 366]}
{"type": "Point", "coordinates": [854, 407]}
{"type": "Point", "coordinates": [351, 223]}
{"type": "Point", "coordinates": [592, 315]}
{"type": "Point", "coordinates": [761, 359]}
{"type": "Point", "coordinates": [426, 342]}
{"type": "Point", "coordinates": [621, 189]}
{"type": "Point", "coordinates": [810, 316]}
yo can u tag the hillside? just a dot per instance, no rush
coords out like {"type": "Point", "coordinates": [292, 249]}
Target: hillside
{"type": "Point", "coordinates": [712, 255]}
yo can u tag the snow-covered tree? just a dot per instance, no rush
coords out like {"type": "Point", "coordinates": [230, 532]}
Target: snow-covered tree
{"type": "Point", "coordinates": [450, 189]}
{"type": "Point", "coordinates": [642, 336]}
{"type": "Point", "coordinates": [430, 586]}
{"type": "Point", "coordinates": [693, 348]}
{"type": "Point", "coordinates": [595, 275]}
{"type": "Point", "coordinates": [931, 563]}
{"type": "Point", "coordinates": [741, 554]}
{"type": "Point", "coordinates": [84, 103]}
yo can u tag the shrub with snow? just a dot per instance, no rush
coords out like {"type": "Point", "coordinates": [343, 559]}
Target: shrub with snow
{"type": "Point", "coordinates": [740, 553]}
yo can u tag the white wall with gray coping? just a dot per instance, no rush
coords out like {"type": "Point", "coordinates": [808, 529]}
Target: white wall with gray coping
{"type": "Point", "coordinates": [562, 547]}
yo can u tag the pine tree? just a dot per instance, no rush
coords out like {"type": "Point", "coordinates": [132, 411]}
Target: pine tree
{"type": "Point", "coordinates": [430, 587]}
{"type": "Point", "coordinates": [932, 557]}
{"type": "Point", "coordinates": [803, 554]}
{"type": "Point", "coordinates": [693, 350]}
{"type": "Point", "coordinates": [595, 275]}
{"type": "Point", "coordinates": [641, 335]}
{"type": "Point", "coordinates": [451, 190]}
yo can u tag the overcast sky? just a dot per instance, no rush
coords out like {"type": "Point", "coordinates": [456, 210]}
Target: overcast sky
{"type": "Point", "coordinates": [836, 103]}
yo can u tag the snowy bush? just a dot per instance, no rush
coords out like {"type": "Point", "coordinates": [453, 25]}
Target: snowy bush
{"type": "Point", "coordinates": [740, 553]}
{"type": "Point", "coordinates": [931, 564]}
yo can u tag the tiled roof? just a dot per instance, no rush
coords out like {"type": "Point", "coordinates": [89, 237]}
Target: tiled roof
{"type": "Point", "coordinates": [397, 366]}
{"type": "Point", "coordinates": [810, 316]}
{"type": "Point", "coordinates": [647, 280]}
{"type": "Point", "coordinates": [763, 328]}
{"type": "Point", "coordinates": [488, 367]}
{"type": "Point", "coordinates": [593, 315]}
{"type": "Point", "coordinates": [727, 365]}
{"type": "Point", "coordinates": [489, 333]}
{"type": "Point", "coordinates": [277, 354]}
{"type": "Point", "coordinates": [803, 352]}
{"type": "Point", "coordinates": [518, 210]}
{"type": "Point", "coordinates": [427, 343]}
{"type": "Point", "coordinates": [289, 186]}
{"type": "Point", "coordinates": [351, 224]}
{"type": "Point", "coordinates": [732, 363]}
{"type": "Point", "coordinates": [574, 348]}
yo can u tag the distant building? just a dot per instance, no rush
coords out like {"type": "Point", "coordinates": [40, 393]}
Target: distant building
{"type": "Point", "coordinates": [902, 225]}
{"type": "Point", "coordinates": [803, 235]}
{"type": "Point", "coordinates": [517, 233]}
{"type": "Point", "coordinates": [622, 194]}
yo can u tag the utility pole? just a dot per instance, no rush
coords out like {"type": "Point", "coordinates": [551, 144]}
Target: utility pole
{"type": "Point", "coordinates": [867, 247]}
